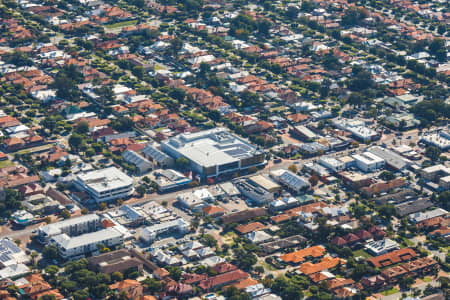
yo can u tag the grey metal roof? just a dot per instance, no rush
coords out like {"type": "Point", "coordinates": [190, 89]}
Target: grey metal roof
{"type": "Point", "coordinates": [391, 158]}
{"type": "Point", "coordinates": [155, 154]}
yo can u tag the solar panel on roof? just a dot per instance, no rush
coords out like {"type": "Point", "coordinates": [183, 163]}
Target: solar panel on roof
{"type": "Point", "coordinates": [4, 257]}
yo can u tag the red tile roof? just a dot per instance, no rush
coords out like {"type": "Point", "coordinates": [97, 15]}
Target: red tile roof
{"type": "Point", "coordinates": [392, 257]}
{"type": "Point", "coordinates": [223, 279]}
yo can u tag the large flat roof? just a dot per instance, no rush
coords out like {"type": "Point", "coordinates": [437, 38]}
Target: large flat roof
{"type": "Point", "coordinates": [212, 147]}
{"type": "Point", "coordinates": [86, 239]}
{"type": "Point", "coordinates": [54, 228]}
{"type": "Point", "coordinates": [105, 179]}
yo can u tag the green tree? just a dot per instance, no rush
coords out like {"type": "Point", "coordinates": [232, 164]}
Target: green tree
{"type": "Point", "coordinates": [355, 99]}
{"type": "Point", "coordinates": [182, 163]}
{"type": "Point", "coordinates": [263, 26]}
{"type": "Point", "coordinates": [153, 285]}
{"type": "Point", "coordinates": [293, 168]}
{"type": "Point", "coordinates": [387, 175]}
{"type": "Point", "coordinates": [244, 259]}
{"type": "Point", "coordinates": [82, 127]}
{"type": "Point", "coordinates": [177, 94]}
{"type": "Point", "coordinates": [76, 141]}
{"type": "Point", "coordinates": [444, 199]}
{"type": "Point", "coordinates": [433, 153]}
{"type": "Point", "coordinates": [208, 240]}
{"type": "Point", "coordinates": [116, 276]}
{"type": "Point", "coordinates": [353, 16]}
{"type": "Point", "coordinates": [405, 282]}
{"type": "Point", "coordinates": [141, 189]}
{"type": "Point", "coordinates": [52, 270]}
{"type": "Point", "coordinates": [292, 12]}
{"type": "Point", "coordinates": [81, 294]}
{"type": "Point", "coordinates": [18, 58]}
{"type": "Point", "coordinates": [441, 29]}
{"type": "Point", "coordinates": [175, 273]}
{"type": "Point", "coordinates": [387, 211]}
{"type": "Point", "coordinates": [65, 214]}
{"type": "Point", "coordinates": [50, 252]}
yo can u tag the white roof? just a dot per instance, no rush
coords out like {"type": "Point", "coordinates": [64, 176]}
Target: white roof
{"type": "Point", "coordinates": [55, 228]}
{"type": "Point", "coordinates": [10, 254]}
{"type": "Point", "coordinates": [166, 225]}
{"type": "Point", "coordinates": [211, 147]}
{"type": "Point", "coordinates": [66, 242]}
{"type": "Point", "coordinates": [105, 179]}
{"type": "Point", "coordinates": [422, 216]}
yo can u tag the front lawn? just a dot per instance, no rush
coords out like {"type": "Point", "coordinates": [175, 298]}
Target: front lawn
{"type": "Point", "coordinates": [6, 163]}
{"type": "Point", "coordinates": [362, 253]}
{"type": "Point", "coordinates": [121, 24]}
{"type": "Point", "coordinates": [390, 292]}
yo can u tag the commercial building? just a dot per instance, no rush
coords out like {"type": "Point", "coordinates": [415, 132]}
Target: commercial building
{"type": "Point", "coordinates": [368, 162]}
{"type": "Point", "coordinates": [214, 152]}
{"type": "Point", "coordinates": [355, 180]}
{"type": "Point", "coordinates": [41, 203]}
{"type": "Point", "coordinates": [292, 181]}
{"type": "Point", "coordinates": [85, 244]}
{"type": "Point", "coordinates": [150, 233]}
{"type": "Point", "coordinates": [332, 163]}
{"type": "Point", "coordinates": [158, 157]}
{"type": "Point", "coordinates": [193, 200]}
{"type": "Point", "coordinates": [437, 139]}
{"type": "Point", "coordinates": [169, 180]}
{"type": "Point", "coordinates": [436, 172]}
{"type": "Point", "coordinates": [284, 243]}
{"type": "Point", "coordinates": [116, 261]}
{"type": "Point", "coordinates": [392, 159]}
{"type": "Point", "coordinates": [142, 164]}
{"type": "Point", "coordinates": [402, 120]}
{"type": "Point", "coordinates": [127, 216]}
{"type": "Point", "coordinates": [357, 129]}
{"type": "Point", "coordinates": [303, 133]}
{"type": "Point", "coordinates": [422, 216]}
{"type": "Point", "coordinates": [413, 206]}
{"type": "Point", "coordinates": [444, 182]}
{"type": "Point", "coordinates": [253, 191]}
{"type": "Point", "coordinates": [106, 184]}
{"type": "Point", "coordinates": [71, 227]}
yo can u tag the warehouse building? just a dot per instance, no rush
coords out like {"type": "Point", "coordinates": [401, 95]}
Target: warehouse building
{"type": "Point", "coordinates": [292, 181]}
{"type": "Point", "coordinates": [253, 191]}
{"type": "Point", "coordinates": [392, 159]}
{"type": "Point", "coordinates": [142, 164]}
{"type": "Point", "coordinates": [158, 157]}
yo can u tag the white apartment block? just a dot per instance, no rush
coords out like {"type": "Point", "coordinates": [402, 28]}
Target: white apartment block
{"type": "Point", "coordinates": [71, 227]}
{"type": "Point", "coordinates": [82, 245]}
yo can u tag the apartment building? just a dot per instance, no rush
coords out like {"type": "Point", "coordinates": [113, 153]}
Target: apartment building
{"type": "Point", "coordinates": [70, 227]}
{"type": "Point", "coordinates": [85, 244]}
